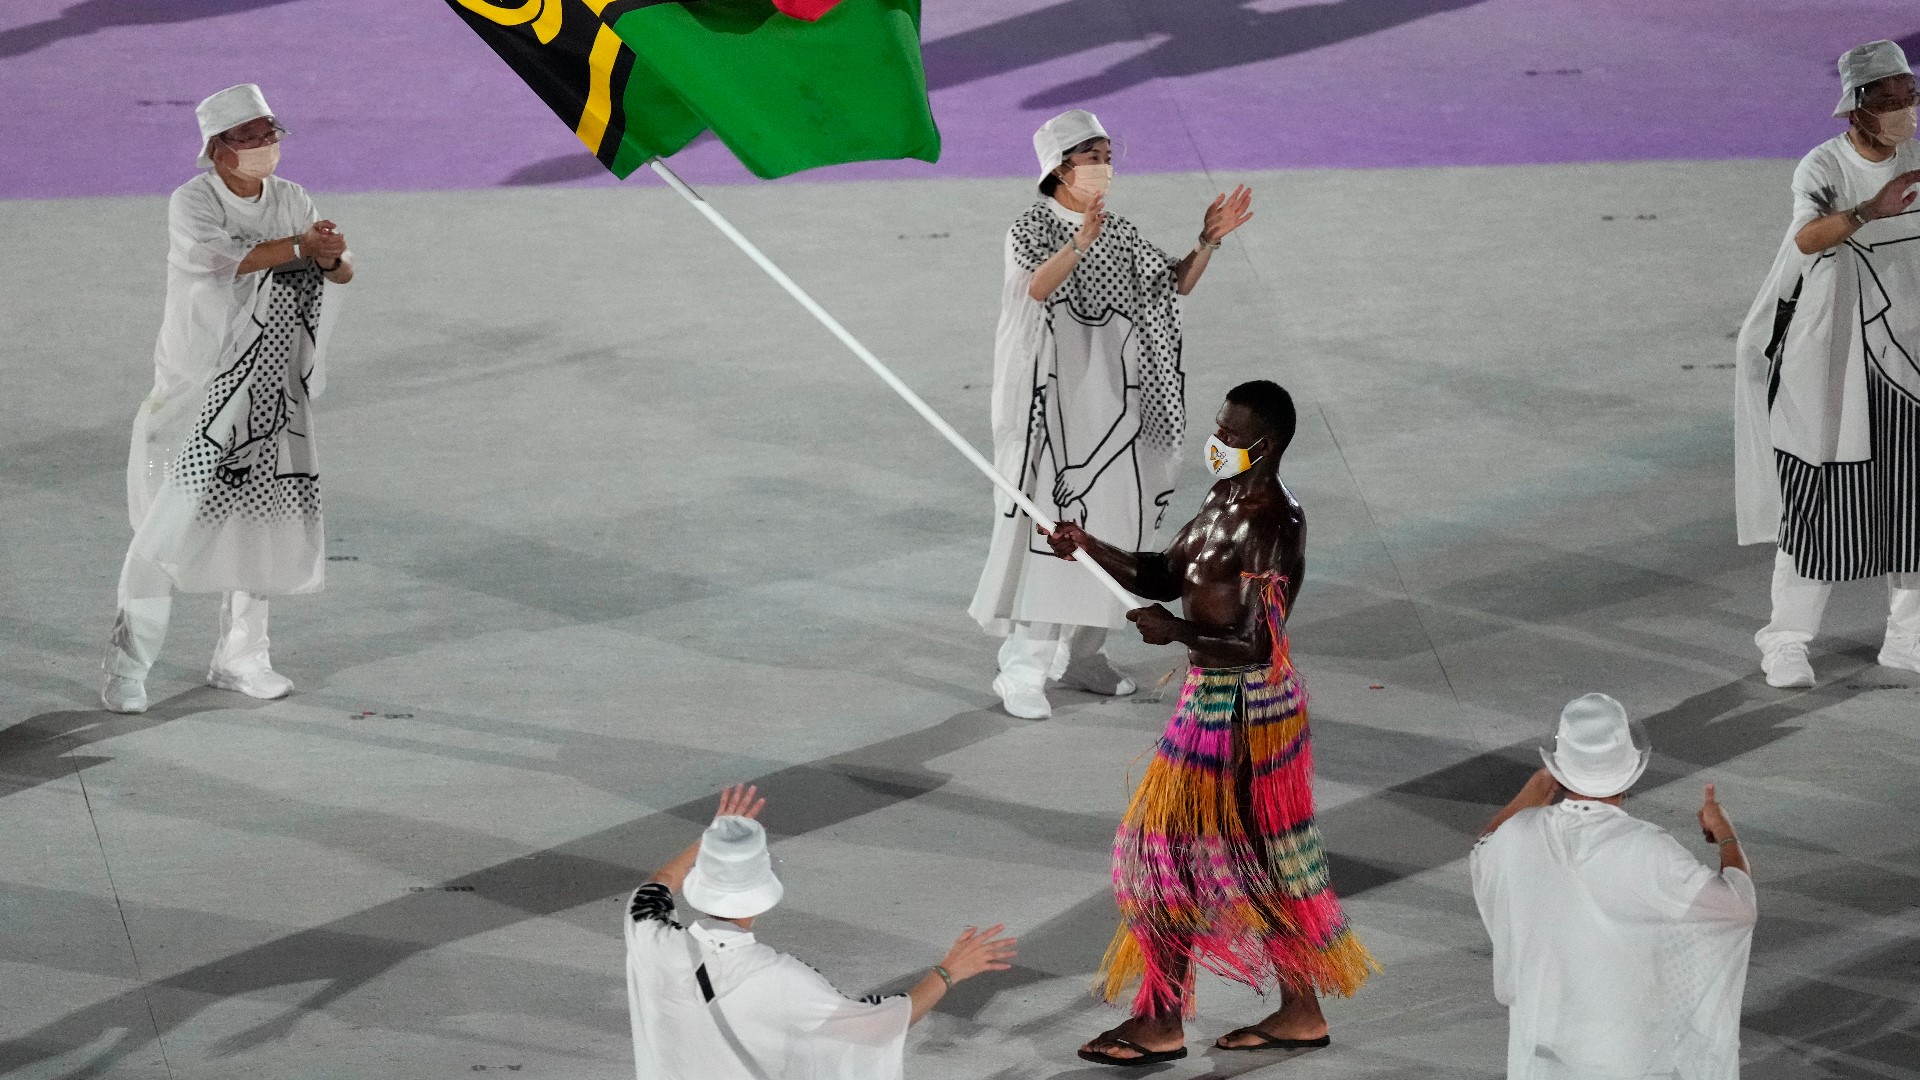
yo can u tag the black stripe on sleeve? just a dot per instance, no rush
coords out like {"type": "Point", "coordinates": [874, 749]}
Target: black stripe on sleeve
{"type": "Point", "coordinates": [652, 901]}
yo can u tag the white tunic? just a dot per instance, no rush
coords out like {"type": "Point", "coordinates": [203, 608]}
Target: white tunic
{"type": "Point", "coordinates": [1088, 415]}
{"type": "Point", "coordinates": [1617, 954]}
{"type": "Point", "coordinates": [772, 1016]}
{"type": "Point", "coordinates": [1827, 392]}
{"type": "Point", "coordinates": [222, 476]}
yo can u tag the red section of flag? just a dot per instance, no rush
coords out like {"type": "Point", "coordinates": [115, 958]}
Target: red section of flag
{"type": "Point", "coordinates": [809, 10]}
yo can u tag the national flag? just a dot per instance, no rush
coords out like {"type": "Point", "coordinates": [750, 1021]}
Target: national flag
{"type": "Point", "coordinates": [785, 84]}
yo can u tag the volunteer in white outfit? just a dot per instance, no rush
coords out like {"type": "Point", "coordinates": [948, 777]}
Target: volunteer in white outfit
{"type": "Point", "coordinates": [1616, 953]}
{"type": "Point", "coordinates": [708, 1002]}
{"type": "Point", "coordinates": [1827, 397]}
{"type": "Point", "coordinates": [1088, 409]}
{"type": "Point", "coordinates": [223, 485]}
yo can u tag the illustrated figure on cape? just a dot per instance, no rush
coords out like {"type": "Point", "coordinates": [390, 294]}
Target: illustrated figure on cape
{"type": "Point", "coordinates": [1088, 409]}
{"type": "Point", "coordinates": [223, 483]}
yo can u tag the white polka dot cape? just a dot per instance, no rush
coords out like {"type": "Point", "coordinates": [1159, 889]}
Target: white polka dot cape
{"type": "Point", "coordinates": [1089, 410]}
{"type": "Point", "coordinates": [239, 505]}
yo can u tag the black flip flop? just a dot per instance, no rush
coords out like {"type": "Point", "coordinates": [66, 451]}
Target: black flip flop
{"type": "Point", "coordinates": [1147, 1057]}
{"type": "Point", "coordinates": [1268, 1042]}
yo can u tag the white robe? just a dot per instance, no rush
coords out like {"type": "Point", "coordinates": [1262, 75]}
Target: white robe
{"type": "Point", "coordinates": [1617, 954]}
{"type": "Point", "coordinates": [772, 1017]}
{"type": "Point", "coordinates": [1088, 385]}
{"type": "Point", "coordinates": [222, 475]}
{"type": "Point", "coordinates": [1827, 391]}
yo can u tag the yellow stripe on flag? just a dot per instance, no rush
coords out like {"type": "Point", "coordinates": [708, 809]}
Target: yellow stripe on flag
{"type": "Point", "coordinates": [599, 107]}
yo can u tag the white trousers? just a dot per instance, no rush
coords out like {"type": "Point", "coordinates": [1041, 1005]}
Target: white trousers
{"type": "Point", "coordinates": [146, 606]}
{"type": "Point", "coordinates": [1799, 602]}
{"type": "Point", "coordinates": [1033, 653]}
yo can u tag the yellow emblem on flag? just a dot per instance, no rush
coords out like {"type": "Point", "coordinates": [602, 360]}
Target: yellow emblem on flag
{"type": "Point", "coordinates": [546, 17]}
{"type": "Point", "coordinates": [543, 14]}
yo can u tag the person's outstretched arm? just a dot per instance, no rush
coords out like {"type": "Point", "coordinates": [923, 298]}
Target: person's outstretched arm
{"type": "Point", "coordinates": [1227, 213]}
{"type": "Point", "coordinates": [1836, 228]}
{"type": "Point", "coordinates": [975, 951]}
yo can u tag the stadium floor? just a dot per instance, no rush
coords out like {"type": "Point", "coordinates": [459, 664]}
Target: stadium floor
{"type": "Point", "coordinates": [613, 524]}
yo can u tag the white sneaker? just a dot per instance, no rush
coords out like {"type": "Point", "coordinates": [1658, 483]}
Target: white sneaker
{"type": "Point", "coordinates": [1097, 676]}
{"type": "Point", "coordinates": [265, 684]}
{"type": "Point", "coordinates": [1900, 651]}
{"type": "Point", "coordinates": [123, 695]}
{"type": "Point", "coordinates": [1025, 702]}
{"type": "Point", "coordinates": [1786, 666]}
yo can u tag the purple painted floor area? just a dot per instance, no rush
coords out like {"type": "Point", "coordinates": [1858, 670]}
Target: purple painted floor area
{"type": "Point", "coordinates": [397, 95]}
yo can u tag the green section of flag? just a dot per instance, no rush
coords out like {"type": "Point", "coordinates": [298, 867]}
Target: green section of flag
{"type": "Point", "coordinates": [639, 78]}
{"type": "Point", "coordinates": [786, 95]}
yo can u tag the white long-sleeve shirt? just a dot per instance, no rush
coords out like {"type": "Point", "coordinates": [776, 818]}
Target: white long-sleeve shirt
{"type": "Point", "coordinates": [1617, 954]}
{"type": "Point", "coordinates": [772, 1016]}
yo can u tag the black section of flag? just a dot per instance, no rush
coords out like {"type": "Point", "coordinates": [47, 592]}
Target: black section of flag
{"type": "Point", "coordinates": [559, 70]}
{"type": "Point", "coordinates": [617, 122]}
{"type": "Point", "coordinates": [556, 70]}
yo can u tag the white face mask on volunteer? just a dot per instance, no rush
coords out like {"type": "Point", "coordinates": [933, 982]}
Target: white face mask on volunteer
{"type": "Point", "coordinates": [257, 162]}
{"type": "Point", "coordinates": [1224, 461]}
{"type": "Point", "coordinates": [1089, 182]}
{"type": "Point", "coordinates": [1896, 127]}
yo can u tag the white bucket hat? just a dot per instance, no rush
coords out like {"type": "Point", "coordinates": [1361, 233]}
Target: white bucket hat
{"type": "Point", "coordinates": [1063, 133]}
{"type": "Point", "coordinates": [1598, 752]}
{"type": "Point", "coordinates": [732, 877]}
{"type": "Point", "coordinates": [1867, 63]}
{"type": "Point", "coordinates": [227, 110]}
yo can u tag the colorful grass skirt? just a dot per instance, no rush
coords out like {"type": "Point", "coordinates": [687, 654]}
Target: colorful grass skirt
{"type": "Point", "coordinates": [1218, 864]}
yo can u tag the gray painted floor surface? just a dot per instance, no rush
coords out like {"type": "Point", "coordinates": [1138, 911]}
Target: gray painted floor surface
{"type": "Point", "coordinates": [614, 524]}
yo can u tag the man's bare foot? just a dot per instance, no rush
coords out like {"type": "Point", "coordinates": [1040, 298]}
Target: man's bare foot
{"type": "Point", "coordinates": [1147, 1033]}
{"type": "Point", "coordinates": [1293, 1022]}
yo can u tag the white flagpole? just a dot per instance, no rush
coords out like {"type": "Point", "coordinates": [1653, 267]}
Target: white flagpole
{"type": "Point", "coordinates": [886, 374]}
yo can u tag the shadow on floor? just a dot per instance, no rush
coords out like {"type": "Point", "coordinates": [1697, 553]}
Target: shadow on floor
{"type": "Point", "coordinates": [1194, 37]}
{"type": "Point", "coordinates": [90, 16]}
{"type": "Point", "coordinates": [1701, 732]}
{"type": "Point", "coordinates": [41, 748]}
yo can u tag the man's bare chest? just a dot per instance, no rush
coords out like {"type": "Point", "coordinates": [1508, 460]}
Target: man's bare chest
{"type": "Point", "coordinates": [1216, 542]}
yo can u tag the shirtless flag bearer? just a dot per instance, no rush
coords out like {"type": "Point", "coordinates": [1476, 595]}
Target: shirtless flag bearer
{"type": "Point", "coordinates": [1218, 863]}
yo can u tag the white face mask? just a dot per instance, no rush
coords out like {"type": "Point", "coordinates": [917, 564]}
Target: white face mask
{"type": "Point", "coordinates": [258, 162]}
{"type": "Point", "coordinates": [1897, 126]}
{"type": "Point", "coordinates": [1088, 182]}
{"type": "Point", "coordinates": [1224, 461]}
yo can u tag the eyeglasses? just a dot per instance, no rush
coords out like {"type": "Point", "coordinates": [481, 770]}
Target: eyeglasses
{"type": "Point", "coordinates": [1886, 101]}
{"type": "Point", "coordinates": [273, 135]}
